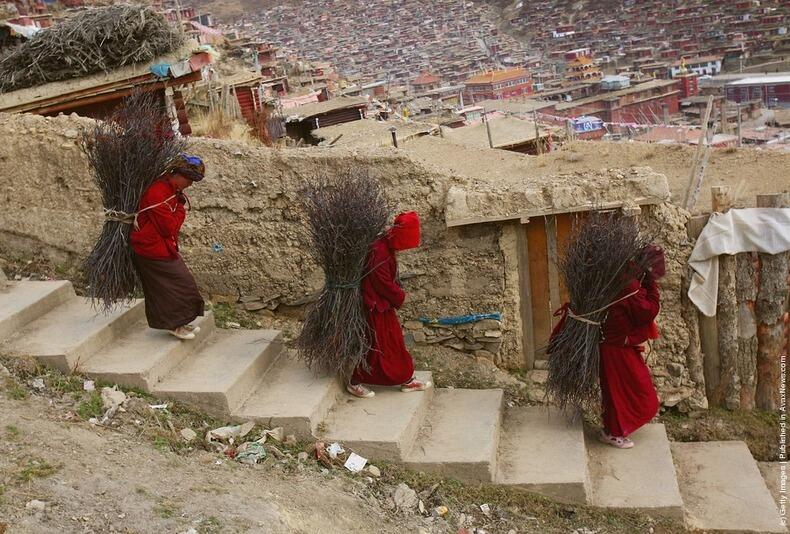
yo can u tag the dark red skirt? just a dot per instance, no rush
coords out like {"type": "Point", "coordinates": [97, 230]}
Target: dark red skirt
{"type": "Point", "coordinates": [171, 294]}
{"type": "Point", "coordinates": [389, 360]}
{"type": "Point", "coordinates": [629, 397]}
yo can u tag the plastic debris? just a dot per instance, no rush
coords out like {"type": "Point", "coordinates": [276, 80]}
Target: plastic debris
{"type": "Point", "coordinates": [38, 383]}
{"type": "Point", "coordinates": [374, 471]}
{"type": "Point", "coordinates": [217, 247]}
{"type": "Point", "coordinates": [224, 433]}
{"type": "Point", "coordinates": [355, 463]}
{"type": "Point", "coordinates": [251, 453]}
{"type": "Point", "coordinates": [275, 433]}
{"type": "Point", "coordinates": [334, 450]}
{"type": "Point", "coordinates": [486, 509]}
{"type": "Point", "coordinates": [158, 406]}
{"type": "Point", "coordinates": [88, 385]}
{"type": "Point", "coordinates": [440, 511]}
{"type": "Point", "coordinates": [112, 398]}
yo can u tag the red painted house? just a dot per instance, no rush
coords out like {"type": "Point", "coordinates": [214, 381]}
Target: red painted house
{"type": "Point", "coordinates": [641, 104]}
{"type": "Point", "coordinates": [498, 85]}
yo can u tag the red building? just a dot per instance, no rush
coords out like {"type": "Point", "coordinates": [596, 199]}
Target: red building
{"type": "Point", "coordinates": [498, 85]}
{"type": "Point", "coordinates": [773, 91]}
{"type": "Point", "coordinates": [426, 82]}
{"type": "Point", "coordinates": [644, 103]}
{"type": "Point", "coordinates": [688, 84]}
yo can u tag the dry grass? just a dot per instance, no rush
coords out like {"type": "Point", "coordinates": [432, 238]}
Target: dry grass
{"type": "Point", "coordinates": [217, 124]}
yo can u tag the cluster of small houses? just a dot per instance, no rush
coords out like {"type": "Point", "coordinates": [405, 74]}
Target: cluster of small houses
{"type": "Point", "coordinates": [573, 91]}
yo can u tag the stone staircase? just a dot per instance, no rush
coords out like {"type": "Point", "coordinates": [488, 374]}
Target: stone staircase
{"type": "Point", "coordinates": [465, 434]}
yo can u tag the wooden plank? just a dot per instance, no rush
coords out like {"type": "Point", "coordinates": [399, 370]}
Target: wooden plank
{"type": "Point", "coordinates": [564, 228]}
{"type": "Point", "coordinates": [539, 284]}
{"type": "Point", "coordinates": [480, 219]}
{"type": "Point", "coordinates": [525, 295]}
{"type": "Point", "coordinates": [552, 254]}
{"type": "Point", "coordinates": [695, 181]}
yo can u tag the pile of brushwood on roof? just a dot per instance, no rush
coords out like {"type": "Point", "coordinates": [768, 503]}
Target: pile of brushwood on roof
{"type": "Point", "coordinates": [96, 40]}
{"type": "Point", "coordinates": [346, 212]}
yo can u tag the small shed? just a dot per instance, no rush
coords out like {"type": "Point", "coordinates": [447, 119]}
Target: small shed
{"type": "Point", "coordinates": [302, 120]}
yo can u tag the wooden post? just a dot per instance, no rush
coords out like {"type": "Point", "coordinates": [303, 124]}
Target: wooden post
{"type": "Point", "coordinates": [740, 123]}
{"type": "Point", "coordinates": [527, 331]}
{"type": "Point", "coordinates": [695, 182]}
{"type": "Point", "coordinates": [702, 354]}
{"type": "Point", "coordinates": [538, 144]}
{"type": "Point", "coordinates": [771, 310]}
{"type": "Point", "coordinates": [728, 392]}
{"type": "Point", "coordinates": [488, 130]}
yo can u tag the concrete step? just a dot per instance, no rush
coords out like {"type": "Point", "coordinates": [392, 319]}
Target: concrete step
{"type": "Point", "coordinates": [772, 475]}
{"type": "Point", "coordinates": [380, 428]}
{"type": "Point", "coordinates": [641, 478]}
{"type": "Point", "coordinates": [220, 377]}
{"type": "Point", "coordinates": [70, 333]}
{"type": "Point", "coordinates": [541, 451]}
{"type": "Point", "coordinates": [291, 396]}
{"type": "Point", "coordinates": [460, 436]}
{"type": "Point", "coordinates": [142, 357]}
{"type": "Point", "coordinates": [23, 302]}
{"type": "Point", "coordinates": [722, 488]}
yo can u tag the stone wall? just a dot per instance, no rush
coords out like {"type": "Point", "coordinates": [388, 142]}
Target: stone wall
{"type": "Point", "coordinates": [244, 238]}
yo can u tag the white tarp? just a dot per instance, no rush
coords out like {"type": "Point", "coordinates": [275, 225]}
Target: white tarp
{"type": "Point", "coordinates": [740, 230]}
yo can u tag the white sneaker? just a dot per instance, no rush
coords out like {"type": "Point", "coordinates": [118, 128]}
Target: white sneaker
{"type": "Point", "coordinates": [360, 391]}
{"type": "Point", "coordinates": [182, 333]}
{"type": "Point", "coordinates": [615, 441]}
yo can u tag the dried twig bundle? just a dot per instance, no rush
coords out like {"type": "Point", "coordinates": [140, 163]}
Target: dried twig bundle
{"type": "Point", "coordinates": [601, 250]}
{"type": "Point", "coordinates": [96, 40]}
{"type": "Point", "coordinates": [345, 214]}
{"type": "Point", "coordinates": [126, 153]}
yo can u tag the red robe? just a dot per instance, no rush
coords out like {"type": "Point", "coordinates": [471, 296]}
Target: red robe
{"type": "Point", "coordinates": [389, 360]}
{"type": "Point", "coordinates": [629, 397]}
{"type": "Point", "coordinates": [156, 236]}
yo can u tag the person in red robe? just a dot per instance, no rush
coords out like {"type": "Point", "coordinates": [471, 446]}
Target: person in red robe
{"type": "Point", "coordinates": [172, 299]}
{"type": "Point", "coordinates": [628, 395]}
{"type": "Point", "coordinates": [388, 363]}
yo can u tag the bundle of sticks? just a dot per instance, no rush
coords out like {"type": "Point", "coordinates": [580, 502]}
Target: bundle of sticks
{"type": "Point", "coordinates": [345, 214]}
{"type": "Point", "coordinates": [126, 153]}
{"type": "Point", "coordinates": [602, 250]}
{"type": "Point", "coordinates": [96, 40]}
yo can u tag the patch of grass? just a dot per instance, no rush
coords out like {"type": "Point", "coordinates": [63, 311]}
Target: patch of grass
{"type": "Point", "coordinates": [759, 429]}
{"type": "Point", "coordinates": [91, 407]}
{"type": "Point", "coordinates": [210, 525]}
{"type": "Point", "coordinates": [62, 384]}
{"type": "Point", "coordinates": [166, 509]}
{"type": "Point", "coordinates": [520, 510]}
{"type": "Point", "coordinates": [12, 432]}
{"type": "Point", "coordinates": [36, 468]}
{"type": "Point", "coordinates": [162, 444]}
{"type": "Point", "coordinates": [15, 391]}
{"type": "Point", "coordinates": [225, 313]}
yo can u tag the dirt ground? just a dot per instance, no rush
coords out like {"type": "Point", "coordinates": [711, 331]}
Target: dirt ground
{"type": "Point", "coordinates": [747, 171]}
{"type": "Point", "coordinates": [93, 479]}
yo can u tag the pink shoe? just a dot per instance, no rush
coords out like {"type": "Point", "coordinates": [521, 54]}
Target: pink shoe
{"type": "Point", "coordinates": [615, 441]}
{"type": "Point", "coordinates": [360, 391]}
{"type": "Point", "coordinates": [415, 385]}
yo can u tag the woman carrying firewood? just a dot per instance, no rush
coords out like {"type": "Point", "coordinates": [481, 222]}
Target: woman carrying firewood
{"type": "Point", "coordinates": [172, 300]}
{"type": "Point", "coordinates": [628, 396]}
{"type": "Point", "coordinates": [388, 363]}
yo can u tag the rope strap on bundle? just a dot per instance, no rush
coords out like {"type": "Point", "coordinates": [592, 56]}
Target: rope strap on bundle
{"type": "Point", "coordinates": [583, 317]}
{"type": "Point", "coordinates": [131, 218]}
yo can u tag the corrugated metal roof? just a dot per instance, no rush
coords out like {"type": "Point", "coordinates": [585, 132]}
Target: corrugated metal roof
{"type": "Point", "coordinates": [761, 80]}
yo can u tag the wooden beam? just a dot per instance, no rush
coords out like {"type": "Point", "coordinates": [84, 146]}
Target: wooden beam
{"type": "Point", "coordinates": [695, 181]}
{"type": "Point", "coordinates": [552, 255]}
{"type": "Point", "coordinates": [539, 284]}
{"type": "Point", "coordinates": [525, 298]}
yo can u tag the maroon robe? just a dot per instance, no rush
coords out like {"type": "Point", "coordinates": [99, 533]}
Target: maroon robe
{"type": "Point", "coordinates": [389, 360]}
{"type": "Point", "coordinates": [629, 397]}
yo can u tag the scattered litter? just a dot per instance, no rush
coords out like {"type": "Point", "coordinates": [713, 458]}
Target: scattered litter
{"type": "Point", "coordinates": [233, 324]}
{"type": "Point", "coordinates": [275, 433]}
{"type": "Point", "coordinates": [112, 398]}
{"type": "Point", "coordinates": [440, 511]}
{"type": "Point", "coordinates": [218, 462]}
{"type": "Point", "coordinates": [93, 421]}
{"type": "Point", "coordinates": [88, 385]}
{"type": "Point", "coordinates": [321, 455]}
{"type": "Point", "coordinates": [188, 434]}
{"type": "Point", "coordinates": [374, 471]}
{"type": "Point", "coordinates": [158, 406]}
{"type": "Point", "coordinates": [421, 507]}
{"type": "Point", "coordinates": [227, 433]}
{"type": "Point", "coordinates": [251, 453]}
{"type": "Point", "coordinates": [405, 498]}
{"type": "Point", "coordinates": [334, 450]}
{"type": "Point", "coordinates": [486, 509]}
{"type": "Point", "coordinates": [355, 463]}
{"type": "Point", "coordinates": [38, 383]}
{"type": "Point", "coordinates": [217, 247]}
{"type": "Point", "coordinates": [246, 428]}
{"type": "Point", "coordinates": [230, 452]}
